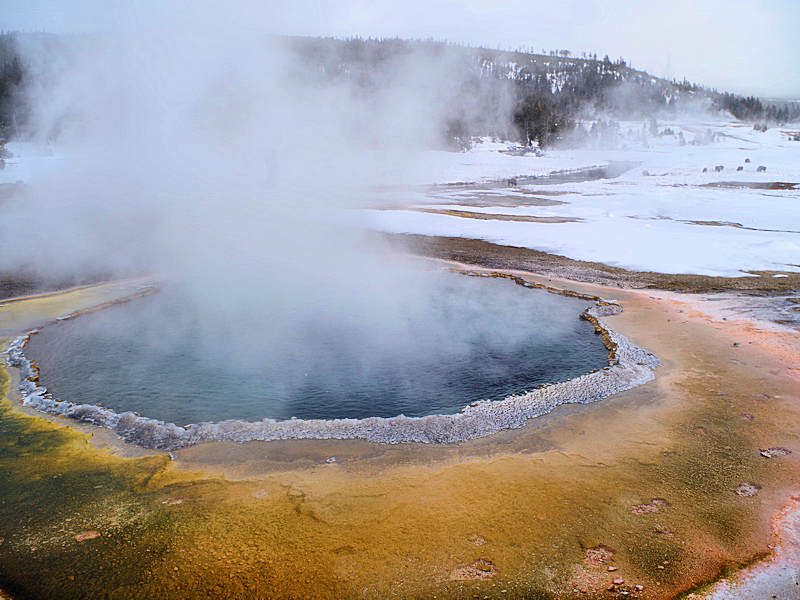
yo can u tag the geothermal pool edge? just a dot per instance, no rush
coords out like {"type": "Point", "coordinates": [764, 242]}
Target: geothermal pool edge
{"type": "Point", "coordinates": [628, 366]}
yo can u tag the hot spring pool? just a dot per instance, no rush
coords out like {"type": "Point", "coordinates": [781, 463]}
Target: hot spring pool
{"type": "Point", "coordinates": [473, 339]}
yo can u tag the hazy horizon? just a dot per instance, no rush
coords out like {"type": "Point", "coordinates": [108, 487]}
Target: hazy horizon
{"type": "Point", "coordinates": [745, 48]}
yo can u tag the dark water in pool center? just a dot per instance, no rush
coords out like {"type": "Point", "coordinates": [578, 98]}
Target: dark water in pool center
{"type": "Point", "coordinates": [476, 339]}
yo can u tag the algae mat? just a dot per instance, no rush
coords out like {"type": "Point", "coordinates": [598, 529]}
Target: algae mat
{"type": "Point", "coordinates": [643, 488]}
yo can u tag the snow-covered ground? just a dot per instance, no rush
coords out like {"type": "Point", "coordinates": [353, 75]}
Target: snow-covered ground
{"type": "Point", "coordinates": [659, 216]}
{"type": "Point", "coordinates": [663, 215]}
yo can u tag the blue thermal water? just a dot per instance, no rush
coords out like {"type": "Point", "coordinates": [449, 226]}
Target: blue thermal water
{"type": "Point", "coordinates": [473, 339]}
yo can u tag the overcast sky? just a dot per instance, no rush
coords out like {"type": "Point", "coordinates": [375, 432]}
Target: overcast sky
{"type": "Point", "coordinates": [747, 46]}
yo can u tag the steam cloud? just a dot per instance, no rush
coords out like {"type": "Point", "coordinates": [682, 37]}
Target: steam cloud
{"type": "Point", "coordinates": [212, 160]}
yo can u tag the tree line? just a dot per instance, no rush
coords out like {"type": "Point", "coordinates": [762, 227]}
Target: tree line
{"type": "Point", "coordinates": [11, 77]}
{"type": "Point", "coordinates": [536, 98]}
{"type": "Point", "coordinates": [752, 109]}
{"type": "Point", "coordinates": [549, 92]}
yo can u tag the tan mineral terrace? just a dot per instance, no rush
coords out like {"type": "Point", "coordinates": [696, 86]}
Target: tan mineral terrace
{"type": "Point", "coordinates": [662, 488]}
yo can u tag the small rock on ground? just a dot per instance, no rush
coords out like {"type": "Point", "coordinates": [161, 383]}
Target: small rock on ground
{"type": "Point", "coordinates": [748, 489]}
{"type": "Point", "coordinates": [480, 569]}
{"type": "Point", "coordinates": [654, 505]}
{"type": "Point", "coordinates": [775, 451]}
